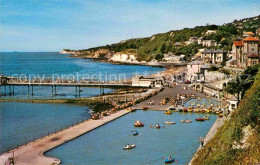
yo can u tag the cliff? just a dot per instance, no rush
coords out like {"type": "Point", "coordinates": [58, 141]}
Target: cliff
{"type": "Point", "coordinates": [238, 140]}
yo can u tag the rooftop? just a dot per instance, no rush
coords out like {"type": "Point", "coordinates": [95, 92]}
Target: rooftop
{"type": "Point", "coordinates": [250, 38]}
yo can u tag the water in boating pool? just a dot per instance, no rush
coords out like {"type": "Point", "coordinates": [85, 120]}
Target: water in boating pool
{"type": "Point", "coordinates": [104, 146]}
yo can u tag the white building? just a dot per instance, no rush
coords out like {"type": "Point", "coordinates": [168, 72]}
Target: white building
{"type": "Point", "coordinates": [209, 43]}
{"type": "Point", "coordinates": [211, 32]}
{"type": "Point", "coordinates": [193, 70]}
{"type": "Point", "coordinates": [232, 105]}
{"type": "Point", "coordinates": [147, 81]}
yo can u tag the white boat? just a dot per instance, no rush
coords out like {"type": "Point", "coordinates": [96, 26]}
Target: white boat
{"type": "Point", "coordinates": [127, 147]}
{"type": "Point", "coordinates": [186, 121]}
{"type": "Point", "coordinates": [169, 122]}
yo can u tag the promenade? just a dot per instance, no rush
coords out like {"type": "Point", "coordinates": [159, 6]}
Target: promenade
{"type": "Point", "coordinates": [167, 92]}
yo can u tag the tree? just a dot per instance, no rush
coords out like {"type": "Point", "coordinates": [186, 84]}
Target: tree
{"type": "Point", "coordinates": [159, 57]}
{"type": "Point", "coordinates": [235, 88]}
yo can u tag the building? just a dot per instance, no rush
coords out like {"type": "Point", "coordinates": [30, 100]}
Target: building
{"type": "Point", "coordinates": [247, 34]}
{"type": "Point", "coordinates": [232, 104]}
{"type": "Point", "coordinates": [212, 91]}
{"type": "Point", "coordinates": [193, 39]}
{"type": "Point", "coordinates": [211, 32]}
{"type": "Point", "coordinates": [213, 56]}
{"type": "Point", "coordinates": [209, 43]}
{"type": "Point", "coordinates": [246, 52]}
{"type": "Point", "coordinates": [147, 81]}
{"type": "Point", "coordinates": [200, 40]}
{"type": "Point", "coordinates": [257, 32]}
{"type": "Point", "coordinates": [193, 70]}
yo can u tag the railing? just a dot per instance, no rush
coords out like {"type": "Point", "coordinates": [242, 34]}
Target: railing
{"type": "Point", "coordinates": [66, 81]}
{"type": "Point", "coordinates": [39, 136]}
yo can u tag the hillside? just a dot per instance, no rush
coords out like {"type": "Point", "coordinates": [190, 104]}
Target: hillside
{"type": "Point", "coordinates": [175, 41]}
{"type": "Point", "coordinates": [238, 140]}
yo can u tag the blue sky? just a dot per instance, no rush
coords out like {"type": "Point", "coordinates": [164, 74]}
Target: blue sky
{"type": "Point", "coordinates": [51, 25]}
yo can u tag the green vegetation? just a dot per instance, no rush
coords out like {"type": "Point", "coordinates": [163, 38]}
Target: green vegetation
{"type": "Point", "coordinates": [221, 148]}
{"type": "Point", "coordinates": [241, 84]}
{"type": "Point", "coordinates": [147, 48]}
{"type": "Point", "coordinates": [213, 68]}
{"type": "Point", "coordinates": [95, 104]}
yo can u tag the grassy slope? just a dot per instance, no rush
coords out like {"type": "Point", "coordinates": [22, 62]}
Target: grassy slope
{"type": "Point", "coordinates": [219, 149]}
{"type": "Point", "coordinates": [147, 48]}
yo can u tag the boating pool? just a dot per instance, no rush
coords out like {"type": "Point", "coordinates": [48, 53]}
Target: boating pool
{"type": "Point", "coordinates": [21, 123]}
{"type": "Point", "coordinates": [104, 145]}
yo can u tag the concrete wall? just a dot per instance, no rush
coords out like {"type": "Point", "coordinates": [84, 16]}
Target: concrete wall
{"type": "Point", "coordinates": [211, 76]}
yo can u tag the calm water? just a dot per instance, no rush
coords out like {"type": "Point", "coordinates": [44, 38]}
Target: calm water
{"type": "Point", "coordinates": [104, 145]}
{"type": "Point", "coordinates": [49, 64]}
{"type": "Point", "coordinates": [22, 122]}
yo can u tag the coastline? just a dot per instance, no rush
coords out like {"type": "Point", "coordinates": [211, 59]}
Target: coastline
{"type": "Point", "coordinates": [152, 64]}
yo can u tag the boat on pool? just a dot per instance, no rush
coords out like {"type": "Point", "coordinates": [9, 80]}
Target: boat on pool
{"type": "Point", "coordinates": [131, 109]}
{"type": "Point", "coordinates": [169, 122]}
{"type": "Point", "coordinates": [145, 108]}
{"type": "Point", "coordinates": [135, 133]}
{"type": "Point", "coordinates": [196, 110]}
{"type": "Point", "coordinates": [186, 121]}
{"type": "Point", "coordinates": [157, 126]}
{"type": "Point", "coordinates": [138, 124]}
{"type": "Point", "coordinates": [169, 160]}
{"type": "Point", "coordinates": [168, 112]}
{"type": "Point", "coordinates": [200, 119]}
{"type": "Point", "coordinates": [180, 110]}
{"type": "Point", "coordinates": [127, 147]}
{"type": "Point", "coordinates": [172, 108]}
{"type": "Point", "coordinates": [220, 115]}
{"type": "Point", "coordinates": [190, 110]}
{"type": "Point", "coordinates": [206, 118]}
{"type": "Point", "coordinates": [185, 110]}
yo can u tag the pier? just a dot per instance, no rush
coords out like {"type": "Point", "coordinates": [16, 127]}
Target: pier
{"type": "Point", "coordinates": [11, 82]}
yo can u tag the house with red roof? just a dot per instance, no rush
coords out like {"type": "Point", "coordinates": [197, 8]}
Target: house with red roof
{"type": "Point", "coordinates": [246, 52]}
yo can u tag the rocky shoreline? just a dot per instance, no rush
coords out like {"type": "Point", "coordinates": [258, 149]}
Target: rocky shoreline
{"type": "Point", "coordinates": [124, 62]}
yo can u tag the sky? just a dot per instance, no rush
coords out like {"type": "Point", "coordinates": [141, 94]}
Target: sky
{"type": "Point", "coordinates": [52, 25]}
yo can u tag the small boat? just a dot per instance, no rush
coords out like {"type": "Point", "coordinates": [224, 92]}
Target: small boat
{"type": "Point", "coordinates": [203, 110]}
{"type": "Point", "coordinates": [169, 122]}
{"type": "Point", "coordinates": [180, 110]}
{"type": "Point", "coordinates": [157, 126]}
{"type": "Point", "coordinates": [196, 110]}
{"type": "Point", "coordinates": [168, 112]}
{"type": "Point", "coordinates": [135, 133]}
{"type": "Point", "coordinates": [190, 110]}
{"type": "Point", "coordinates": [220, 115]}
{"type": "Point", "coordinates": [218, 112]}
{"type": "Point", "coordinates": [145, 108]}
{"type": "Point", "coordinates": [169, 160]}
{"type": "Point", "coordinates": [208, 111]}
{"type": "Point", "coordinates": [127, 147]}
{"type": "Point", "coordinates": [185, 110]}
{"type": "Point", "coordinates": [138, 124]}
{"type": "Point", "coordinates": [200, 119]}
{"type": "Point", "coordinates": [172, 108]}
{"type": "Point", "coordinates": [186, 121]}
{"type": "Point", "coordinates": [206, 118]}
{"type": "Point", "coordinates": [131, 109]}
